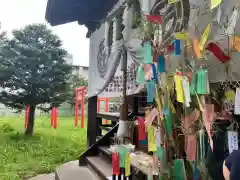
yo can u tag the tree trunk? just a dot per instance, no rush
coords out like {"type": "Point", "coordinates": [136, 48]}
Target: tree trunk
{"type": "Point", "coordinates": [30, 126]}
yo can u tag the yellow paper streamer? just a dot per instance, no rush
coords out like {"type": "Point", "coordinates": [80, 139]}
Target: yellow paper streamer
{"type": "Point", "coordinates": [215, 3]}
{"type": "Point", "coordinates": [128, 165]}
{"type": "Point", "coordinates": [230, 95]}
{"type": "Point", "coordinates": [181, 35]}
{"type": "Point", "coordinates": [170, 82]}
{"type": "Point", "coordinates": [235, 42]}
{"type": "Point", "coordinates": [152, 146]}
{"type": "Point", "coordinates": [179, 88]}
{"type": "Point", "coordinates": [172, 1]}
{"type": "Point", "coordinates": [172, 107]}
{"type": "Point", "coordinates": [204, 37]}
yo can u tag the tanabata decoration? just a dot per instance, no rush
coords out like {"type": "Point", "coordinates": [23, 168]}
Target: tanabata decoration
{"type": "Point", "coordinates": [181, 36]}
{"type": "Point", "coordinates": [196, 48]}
{"type": "Point", "coordinates": [232, 22]}
{"type": "Point", "coordinates": [215, 3]}
{"type": "Point", "coordinates": [179, 172]}
{"type": "Point", "coordinates": [128, 165]}
{"type": "Point", "coordinates": [177, 47]}
{"type": "Point", "coordinates": [150, 91]}
{"type": "Point", "coordinates": [154, 19]}
{"type": "Point", "coordinates": [237, 102]}
{"type": "Point", "coordinates": [115, 163]}
{"type": "Point", "coordinates": [147, 53]}
{"type": "Point", "coordinates": [186, 89]}
{"type": "Point", "coordinates": [232, 141]}
{"type": "Point", "coordinates": [148, 72]}
{"type": "Point", "coordinates": [140, 75]}
{"type": "Point", "coordinates": [208, 119]}
{"type": "Point", "coordinates": [204, 37]}
{"type": "Point", "coordinates": [154, 69]}
{"type": "Point", "coordinates": [172, 1]}
{"type": "Point", "coordinates": [152, 147]}
{"type": "Point", "coordinates": [123, 152]}
{"type": "Point", "coordinates": [230, 95]}
{"type": "Point", "coordinates": [141, 129]}
{"type": "Point", "coordinates": [235, 42]}
{"type": "Point", "coordinates": [218, 52]}
{"type": "Point", "coordinates": [179, 88]}
{"type": "Point", "coordinates": [201, 84]}
{"type": "Point", "coordinates": [161, 64]}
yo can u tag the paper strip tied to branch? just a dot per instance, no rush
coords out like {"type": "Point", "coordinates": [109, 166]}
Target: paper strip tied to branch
{"type": "Point", "coordinates": [204, 37]}
{"type": "Point", "coordinates": [152, 147]}
{"type": "Point", "coordinates": [115, 163]}
{"type": "Point", "coordinates": [235, 42]}
{"type": "Point", "coordinates": [208, 119]}
{"type": "Point", "coordinates": [179, 88]}
{"type": "Point", "coordinates": [215, 3]}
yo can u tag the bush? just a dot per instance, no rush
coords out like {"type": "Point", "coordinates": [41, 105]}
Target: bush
{"type": "Point", "coordinates": [6, 128]}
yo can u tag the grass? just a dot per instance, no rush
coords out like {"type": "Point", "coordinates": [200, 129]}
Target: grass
{"type": "Point", "coordinates": [24, 157]}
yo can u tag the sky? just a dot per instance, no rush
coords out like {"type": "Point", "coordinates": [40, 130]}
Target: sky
{"type": "Point", "coordinates": [15, 14]}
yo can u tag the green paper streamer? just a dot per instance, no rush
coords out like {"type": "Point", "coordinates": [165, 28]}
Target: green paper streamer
{"type": "Point", "coordinates": [161, 152]}
{"type": "Point", "coordinates": [193, 83]}
{"type": "Point", "coordinates": [140, 75]}
{"type": "Point", "coordinates": [178, 169]}
{"type": "Point", "coordinates": [202, 82]}
{"type": "Point", "coordinates": [122, 152]}
{"type": "Point", "coordinates": [147, 53]}
{"type": "Point", "coordinates": [168, 122]}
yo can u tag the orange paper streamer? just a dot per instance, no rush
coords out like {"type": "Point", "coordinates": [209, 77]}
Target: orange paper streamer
{"type": "Point", "coordinates": [196, 48]}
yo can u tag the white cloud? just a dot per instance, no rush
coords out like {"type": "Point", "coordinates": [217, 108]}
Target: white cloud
{"type": "Point", "coordinates": [18, 13]}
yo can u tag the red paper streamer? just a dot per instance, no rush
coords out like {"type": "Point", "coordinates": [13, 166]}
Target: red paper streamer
{"type": "Point", "coordinates": [170, 48]}
{"type": "Point", "coordinates": [115, 163]}
{"type": "Point", "coordinates": [218, 52]}
{"type": "Point", "coordinates": [154, 19]}
{"type": "Point", "coordinates": [141, 129]}
{"type": "Point", "coordinates": [27, 116]}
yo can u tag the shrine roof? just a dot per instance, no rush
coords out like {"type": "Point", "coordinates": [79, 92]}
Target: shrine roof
{"type": "Point", "coordinates": [87, 12]}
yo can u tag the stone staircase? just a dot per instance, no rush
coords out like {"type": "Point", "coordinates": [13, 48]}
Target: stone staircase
{"type": "Point", "coordinates": [95, 163]}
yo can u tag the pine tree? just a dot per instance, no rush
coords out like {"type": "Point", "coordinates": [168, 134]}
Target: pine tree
{"type": "Point", "coordinates": [33, 70]}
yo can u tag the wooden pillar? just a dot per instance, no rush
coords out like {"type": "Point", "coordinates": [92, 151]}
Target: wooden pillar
{"type": "Point", "coordinates": [92, 121]}
{"type": "Point", "coordinates": [135, 105]}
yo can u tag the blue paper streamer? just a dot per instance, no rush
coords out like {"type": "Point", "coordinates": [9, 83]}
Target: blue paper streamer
{"type": "Point", "coordinates": [177, 47]}
{"type": "Point", "coordinates": [154, 69]}
{"type": "Point", "coordinates": [144, 142]}
{"type": "Point", "coordinates": [196, 175]}
{"type": "Point", "coordinates": [161, 64]}
{"type": "Point", "coordinates": [150, 91]}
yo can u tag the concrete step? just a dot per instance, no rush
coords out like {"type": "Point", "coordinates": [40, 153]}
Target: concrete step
{"type": "Point", "coordinates": [102, 168]}
{"type": "Point", "coordinates": [50, 176]}
{"type": "Point", "coordinates": [72, 171]}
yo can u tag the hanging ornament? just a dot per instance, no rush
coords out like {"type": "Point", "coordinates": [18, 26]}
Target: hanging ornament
{"type": "Point", "coordinates": [204, 37]}
{"type": "Point", "coordinates": [215, 3]}
{"type": "Point", "coordinates": [177, 47]}
{"type": "Point", "coordinates": [140, 75]}
{"type": "Point", "coordinates": [154, 19]}
{"type": "Point", "coordinates": [218, 52]}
